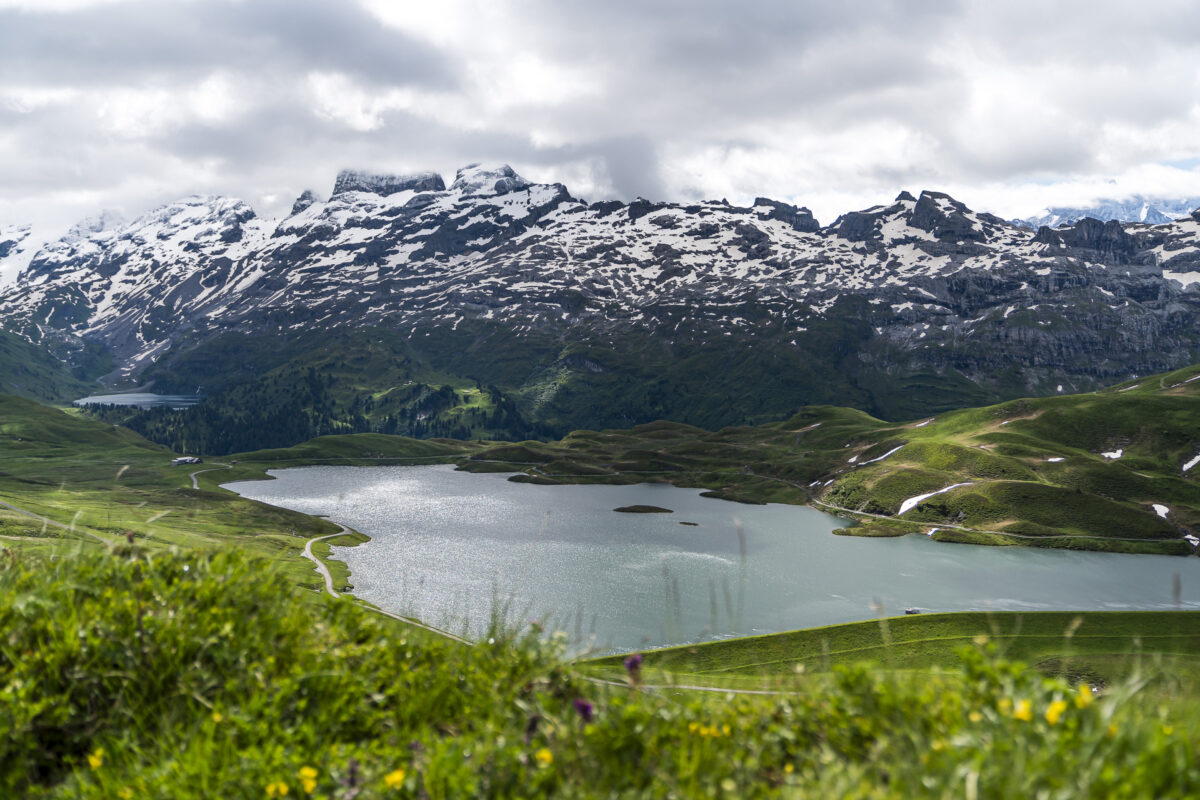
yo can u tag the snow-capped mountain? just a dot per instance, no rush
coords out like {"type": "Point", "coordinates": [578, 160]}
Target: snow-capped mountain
{"type": "Point", "coordinates": [923, 286]}
{"type": "Point", "coordinates": [1137, 208]}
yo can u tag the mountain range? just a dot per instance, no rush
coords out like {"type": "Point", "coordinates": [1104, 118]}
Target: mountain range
{"type": "Point", "coordinates": [567, 314]}
{"type": "Point", "coordinates": [1135, 208]}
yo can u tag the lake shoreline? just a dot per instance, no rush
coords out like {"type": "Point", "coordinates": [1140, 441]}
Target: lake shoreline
{"type": "Point", "coordinates": [446, 544]}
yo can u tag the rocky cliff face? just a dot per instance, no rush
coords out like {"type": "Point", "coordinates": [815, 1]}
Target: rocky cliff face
{"type": "Point", "coordinates": [922, 290]}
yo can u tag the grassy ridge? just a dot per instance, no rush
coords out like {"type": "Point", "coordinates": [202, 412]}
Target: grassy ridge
{"type": "Point", "coordinates": [129, 673]}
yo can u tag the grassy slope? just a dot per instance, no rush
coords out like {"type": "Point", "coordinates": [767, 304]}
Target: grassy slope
{"type": "Point", "coordinates": [1017, 495]}
{"type": "Point", "coordinates": [30, 371]}
{"type": "Point", "coordinates": [108, 481]}
{"type": "Point", "coordinates": [134, 674]}
{"type": "Point", "coordinates": [1105, 646]}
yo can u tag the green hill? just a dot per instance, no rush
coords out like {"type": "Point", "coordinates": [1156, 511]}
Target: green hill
{"type": "Point", "coordinates": [65, 477]}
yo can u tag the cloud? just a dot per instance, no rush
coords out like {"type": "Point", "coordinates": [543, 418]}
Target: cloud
{"type": "Point", "coordinates": [127, 103]}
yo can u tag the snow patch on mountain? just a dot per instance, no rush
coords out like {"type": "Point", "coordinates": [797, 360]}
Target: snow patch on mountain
{"type": "Point", "coordinates": [475, 179]}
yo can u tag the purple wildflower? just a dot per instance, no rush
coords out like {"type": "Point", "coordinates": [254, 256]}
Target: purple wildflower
{"type": "Point", "coordinates": [586, 710]}
{"type": "Point", "coordinates": [633, 666]}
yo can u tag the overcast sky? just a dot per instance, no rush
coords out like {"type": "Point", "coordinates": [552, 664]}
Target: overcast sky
{"type": "Point", "coordinates": [1012, 106]}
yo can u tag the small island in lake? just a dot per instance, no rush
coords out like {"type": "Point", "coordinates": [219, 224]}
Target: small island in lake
{"type": "Point", "coordinates": [643, 510]}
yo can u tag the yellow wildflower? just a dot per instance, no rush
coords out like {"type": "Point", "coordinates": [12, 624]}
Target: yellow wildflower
{"type": "Point", "coordinates": [96, 758]}
{"type": "Point", "coordinates": [544, 757]}
{"type": "Point", "coordinates": [693, 727]}
{"type": "Point", "coordinates": [395, 778]}
{"type": "Point", "coordinates": [1055, 710]}
{"type": "Point", "coordinates": [1168, 729]}
{"type": "Point", "coordinates": [217, 717]}
{"type": "Point", "coordinates": [277, 789]}
{"type": "Point", "coordinates": [1004, 705]}
{"type": "Point", "coordinates": [1112, 729]}
{"type": "Point", "coordinates": [308, 778]}
{"type": "Point", "coordinates": [725, 729]}
{"type": "Point", "coordinates": [125, 793]}
{"type": "Point", "coordinates": [1084, 696]}
{"type": "Point", "coordinates": [1023, 711]}
{"type": "Point", "coordinates": [789, 768]}
{"type": "Point", "coordinates": [975, 716]}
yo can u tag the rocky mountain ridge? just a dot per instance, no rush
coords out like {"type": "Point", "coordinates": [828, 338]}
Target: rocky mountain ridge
{"type": "Point", "coordinates": [908, 306]}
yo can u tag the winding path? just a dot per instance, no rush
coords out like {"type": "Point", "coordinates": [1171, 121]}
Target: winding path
{"type": "Point", "coordinates": [321, 568]}
{"type": "Point", "coordinates": [196, 484]}
{"type": "Point", "coordinates": [324, 570]}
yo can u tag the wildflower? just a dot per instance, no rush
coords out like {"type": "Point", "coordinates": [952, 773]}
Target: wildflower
{"type": "Point", "coordinates": [585, 709]}
{"type": "Point", "coordinates": [125, 793]}
{"type": "Point", "coordinates": [308, 778]}
{"type": "Point", "coordinates": [277, 789]}
{"type": "Point", "coordinates": [544, 757]}
{"type": "Point", "coordinates": [975, 716]}
{"type": "Point", "coordinates": [395, 778]}
{"type": "Point", "coordinates": [95, 758]}
{"type": "Point", "coordinates": [1004, 705]}
{"type": "Point", "coordinates": [1168, 730]}
{"type": "Point", "coordinates": [725, 729]}
{"type": "Point", "coordinates": [789, 768]}
{"type": "Point", "coordinates": [1055, 710]}
{"type": "Point", "coordinates": [1084, 697]}
{"type": "Point", "coordinates": [633, 666]}
{"type": "Point", "coordinates": [1023, 711]}
{"type": "Point", "coordinates": [1112, 729]}
{"type": "Point", "coordinates": [693, 727]}
{"type": "Point", "coordinates": [217, 717]}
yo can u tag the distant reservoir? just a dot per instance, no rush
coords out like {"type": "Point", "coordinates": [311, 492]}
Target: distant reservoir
{"type": "Point", "coordinates": [451, 547]}
{"type": "Point", "coordinates": [142, 400]}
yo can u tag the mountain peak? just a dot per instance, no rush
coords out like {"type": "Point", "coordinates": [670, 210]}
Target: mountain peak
{"type": "Point", "coordinates": [306, 199]}
{"type": "Point", "coordinates": [476, 179]}
{"type": "Point", "coordinates": [353, 180]}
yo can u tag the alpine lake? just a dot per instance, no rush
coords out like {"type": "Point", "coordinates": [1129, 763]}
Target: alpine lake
{"type": "Point", "coordinates": [459, 550]}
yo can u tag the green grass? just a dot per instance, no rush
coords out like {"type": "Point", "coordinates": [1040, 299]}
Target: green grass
{"type": "Point", "coordinates": [1117, 641]}
{"type": "Point", "coordinates": [126, 672]}
{"type": "Point", "coordinates": [105, 482]}
{"type": "Point", "coordinates": [31, 371]}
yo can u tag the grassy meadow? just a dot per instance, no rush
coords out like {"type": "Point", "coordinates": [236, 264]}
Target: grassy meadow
{"type": "Point", "coordinates": [130, 671]}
